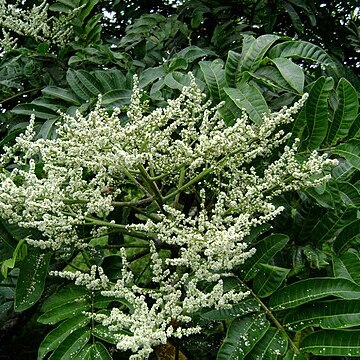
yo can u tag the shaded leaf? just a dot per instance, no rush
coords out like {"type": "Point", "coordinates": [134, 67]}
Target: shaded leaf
{"type": "Point", "coordinates": [347, 266]}
{"type": "Point", "coordinates": [214, 75]}
{"type": "Point", "coordinates": [349, 235]}
{"type": "Point", "coordinates": [265, 250]}
{"type": "Point", "coordinates": [350, 151]}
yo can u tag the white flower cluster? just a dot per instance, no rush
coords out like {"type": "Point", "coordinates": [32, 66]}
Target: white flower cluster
{"type": "Point", "coordinates": [58, 185]}
{"type": "Point", "coordinates": [34, 22]}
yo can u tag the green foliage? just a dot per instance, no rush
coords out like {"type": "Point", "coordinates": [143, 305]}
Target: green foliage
{"type": "Point", "coordinates": [304, 279]}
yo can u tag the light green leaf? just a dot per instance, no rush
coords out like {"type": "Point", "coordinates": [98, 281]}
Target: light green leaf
{"type": "Point", "coordinates": [332, 343]}
{"type": "Point", "coordinates": [242, 336]}
{"type": "Point", "coordinates": [269, 347]}
{"type": "Point", "coordinates": [248, 97]}
{"type": "Point", "coordinates": [292, 73]}
{"type": "Point", "coordinates": [349, 235]}
{"type": "Point", "coordinates": [332, 314]}
{"type": "Point", "coordinates": [239, 309]}
{"type": "Point", "coordinates": [345, 113]}
{"type": "Point", "coordinates": [214, 75]}
{"type": "Point", "coordinates": [71, 345]}
{"type": "Point", "coordinates": [256, 51]}
{"type": "Point", "coordinates": [31, 281]}
{"type": "Point", "coordinates": [268, 279]}
{"type": "Point", "coordinates": [55, 337]}
{"type": "Point", "coordinates": [265, 250]}
{"type": "Point", "coordinates": [311, 289]}
{"type": "Point", "coordinates": [350, 151]}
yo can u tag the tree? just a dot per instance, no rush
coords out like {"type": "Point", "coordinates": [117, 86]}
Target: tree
{"type": "Point", "coordinates": [119, 198]}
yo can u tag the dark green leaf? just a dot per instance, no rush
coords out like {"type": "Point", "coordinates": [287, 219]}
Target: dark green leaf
{"type": "Point", "coordinates": [269, 347]}
{"type": "Point", "coordinates": [345, 112]}
{"type": "Point", "coordinates": [332, 343]}
{"type": "Point", "coordinates": [249, 97]}
{"type": "Point", "coordinates": [214, 75]}
{"type": "Point", "coordinates": [350, 151]}
{"type": "Point", "coordinates": [62, 94]}
{"type": "Point", "coordinates": [232, 67]}
{"type": "Point", "coordinates": [347, 266]}
{"type": "Point", "coordinates": [332, 314]}
{"type": "Point", "coordinates": [31, 281]}
{"type": "Point", "coordinates": [315, 112]}
{"type": "Point", "coordinates": [55, 337]}
{"type": "Point", "coordinates": [268, 279]}
{"type": "Point", "coordinates": [256, 51]}
{"type": "Point", "coordinates": [242, 336]}
{"type": "Point", "coordinates": [242, 308]}
{"type": "Point", "coordinates": [71, 345]}
{"type": "Point", "coordinates": [311, 289]}
{"type": "Point", "coordinates": [265, 250]}
{"type": "Point", "coordinates": [39, 111]}
{"type": "Point", "coordinates": [292, 73]}
{"type": "Point", "coordinates": [349, 235]}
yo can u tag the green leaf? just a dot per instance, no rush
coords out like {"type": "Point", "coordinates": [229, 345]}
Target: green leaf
{"type": "Point", "coordinates": [63, 94]}
{"type": "Point", "coordinates": [354, 129]}
{"type": "Point", "coordinates": [292, 73]}
{"type": "Point", "coordinates": [332, 343]}
{"type": "Point", "coordinates": [71, 345]}
{"type": "Point", "coordinates": [214, 75]}
{"type": "Point", "coordinates": [330, 223]}
{"type": "Point", "coordinates": [347, 266]}
{"type": "Point", "coordinates": [265, 250]}
{"type": "Point", "coordinates": [192, 53]}
{"type": "Point", "coordinates": [86, 10]}
{"type": "Point", "coordinates": [345, 112]}
{"type": "Point", "coordinates": [332, 314]}
{"type": "Point", "coordinates": [349, 235]}
{"type": "Point", "coordinates": [116, 98]}
{"type": "Point", "coordinates": [177, 63]}
{"type": "Point", "coordinates": [248, 97]}
{"type": "Point", "coordinates": [40, 111]}
{"type": "Point", "coordinates": [311, 289]}
{"type": "Point", "coordinates": [65, 295]}
{"type": "Point", "coordinates": [99, 351]}
{"type": "Point", "coordinates": [83, 84]}
{"type": "Point", "coordinates": [55, 337]}
{"type": "Point", "coordinates": [231, 67]}
{"type": "Point", "coordinates": [301, 49]}
{"type": "Point", "coordinates": [150, 75]}
{"type": "Point", "coordinates": [269, 347]}
{"type": "Point", "coordinates": [315, 112]}
{"type": "Point", "coordinates": [31, 281]}
{"type": "Point", "coordinates": [242, 308]}
{"type": "Point", "coordinates": [103, 333]}
{"type": "Point", "coordinates": [268, 279]}
{"type": "Point", "coordinates": [242, 336]}
{"type": "Point", "coordinates": [256, 51]}
{"type": "Point", "coordinates": [350, 151]}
